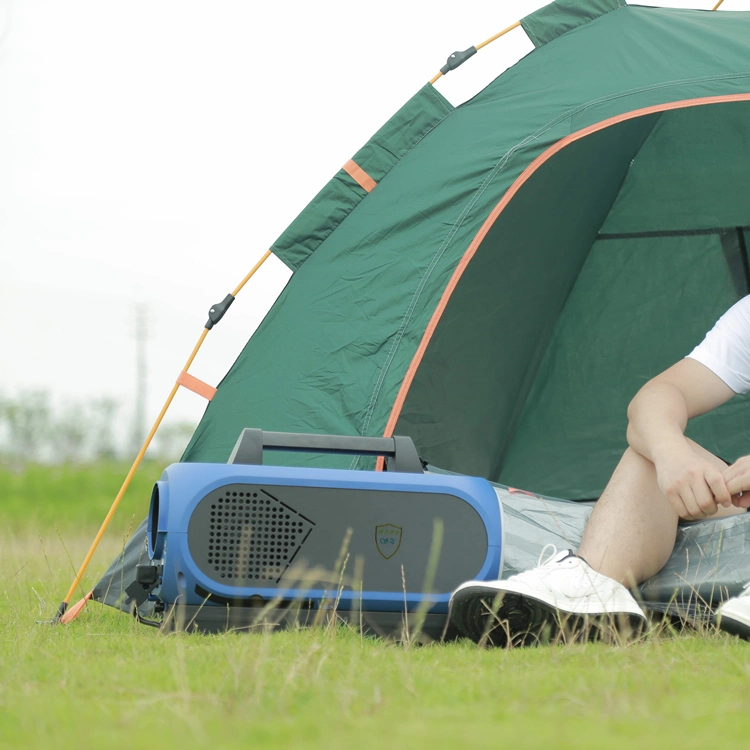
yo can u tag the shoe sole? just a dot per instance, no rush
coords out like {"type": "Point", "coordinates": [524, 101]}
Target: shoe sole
{"type": "Point", "coordinates": [730, 625]}
{"type": "Point", "coordinates": [510, 619]}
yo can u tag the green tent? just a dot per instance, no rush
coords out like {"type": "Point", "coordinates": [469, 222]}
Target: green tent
{"type": "Point", "coordinates": [497, 279]}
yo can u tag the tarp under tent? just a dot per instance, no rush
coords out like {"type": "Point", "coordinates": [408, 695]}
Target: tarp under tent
{"type": "Point", "coordinates": [496, 280]}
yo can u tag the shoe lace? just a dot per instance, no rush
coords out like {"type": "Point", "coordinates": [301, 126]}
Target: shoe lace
{"type": "Point", "coordinates": [547, 555]}
{"type": "Point", "coordinates": [544, 557]}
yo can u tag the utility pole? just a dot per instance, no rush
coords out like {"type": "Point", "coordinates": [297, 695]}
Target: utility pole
{"type": "Point", "coordinates": [141, 335]}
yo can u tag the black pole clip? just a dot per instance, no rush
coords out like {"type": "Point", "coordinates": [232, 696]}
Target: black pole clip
{"type": "Point", "coordinates": [216, 313]}
{"type": "Point", "coordinates": [457, 59]}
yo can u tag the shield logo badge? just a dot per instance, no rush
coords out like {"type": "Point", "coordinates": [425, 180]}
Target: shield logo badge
{"type": "Point", "coordinates": [388, 539]}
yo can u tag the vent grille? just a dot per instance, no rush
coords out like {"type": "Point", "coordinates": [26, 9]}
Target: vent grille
{"type": "Point", "coordinates": [251, 536]}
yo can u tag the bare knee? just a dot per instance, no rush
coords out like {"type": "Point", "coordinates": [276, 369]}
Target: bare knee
{"type": "Point", "coordinates": [632, 530]}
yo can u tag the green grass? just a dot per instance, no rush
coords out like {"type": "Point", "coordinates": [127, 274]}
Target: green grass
{"type": "Point", "coordinates": [106, 681]}
{"type": "Point", "coordinates": [69, 496]}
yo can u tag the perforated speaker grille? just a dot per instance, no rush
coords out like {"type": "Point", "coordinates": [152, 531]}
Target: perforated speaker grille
{"type": "Point", "coordinates": [242, 535]}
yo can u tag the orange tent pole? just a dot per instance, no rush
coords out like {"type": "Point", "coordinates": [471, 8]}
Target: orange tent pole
{"type": "Point", "coordinates": [215, 314]}
{"type": "Point", "coordinates": [716, 7]}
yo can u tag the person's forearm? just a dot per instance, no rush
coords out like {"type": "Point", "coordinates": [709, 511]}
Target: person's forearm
{"type": "Point", "coordinates": [657, 418]}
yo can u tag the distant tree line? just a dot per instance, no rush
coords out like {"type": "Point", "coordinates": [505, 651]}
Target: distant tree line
{"type": "Point", "coordinates": [35, 429]}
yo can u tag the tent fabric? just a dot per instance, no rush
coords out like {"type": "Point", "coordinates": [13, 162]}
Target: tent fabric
{"type": "Point", "coordinates": [665, 192]}
{"type": "Point", "coordinates": [110, 589]}
{"type": "Point", "coordinates": [376, 158]}
{"type": "Point", "coordinates": [555, 19]}
{"type": "Point", "coordinates": [621, 288]}
{"type": "Point", "coordinates": [333, 353]}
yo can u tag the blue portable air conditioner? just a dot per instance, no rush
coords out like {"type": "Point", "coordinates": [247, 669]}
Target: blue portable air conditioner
{"type": "Point", "coordinates": [243, 545]}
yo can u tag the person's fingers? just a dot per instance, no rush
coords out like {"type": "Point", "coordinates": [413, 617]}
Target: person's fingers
{"type": "Point", "coordinates": [704, 497]}
{"type": "Point", "coordinates": [679, 497]}
{"type": "Point", "coordinates": [718, 487]}
{"type": "Point", "coordinates": [737, 483]}
{"type": "Point", "coordinates": [691, 504]}
{"type": "Point", "coordinates": [737, 472]}
{"type": "Point", "coordinates": [675, 500]}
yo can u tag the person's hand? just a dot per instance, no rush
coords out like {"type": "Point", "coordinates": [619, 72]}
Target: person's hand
{"type": "Point", "coordinates": [737, 478]}
{"type": "Point", "coordinates": [694, 486]}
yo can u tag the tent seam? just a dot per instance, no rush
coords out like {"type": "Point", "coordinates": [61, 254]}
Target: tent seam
{"type": "Point", "coordinates": [538, 43]}
{"type": "Point", "coordinates": [533, 37]}
{"type": "Point", "coordinates": [611, 97]}
{"type": "Point", "coordinates": [631, 92]}
{"type": "Point", "coordinates": [418, 293]}
{"type": "Point", "coordinates": [407, 316]}
{"type": "Point", "coordinates": [406, 153]}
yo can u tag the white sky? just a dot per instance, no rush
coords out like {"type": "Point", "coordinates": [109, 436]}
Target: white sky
{"type": "Point", "coordinates": [153, 151]}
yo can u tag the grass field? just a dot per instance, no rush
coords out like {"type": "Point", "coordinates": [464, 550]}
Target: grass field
{"type": "Point", "coordinates": [106, 681]}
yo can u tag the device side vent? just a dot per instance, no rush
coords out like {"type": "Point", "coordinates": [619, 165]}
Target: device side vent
{"type": "Point", "coordinates": [252, 536]}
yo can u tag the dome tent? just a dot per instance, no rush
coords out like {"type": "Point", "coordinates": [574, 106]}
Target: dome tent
{"type": "Point", "coordinates": [496, 280]}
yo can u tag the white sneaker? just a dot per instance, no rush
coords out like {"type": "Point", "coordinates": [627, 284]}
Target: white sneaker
{"type": "Point", "coordinates": [733, 615]}
{"type": "Point", "coordinates": [564, 596]}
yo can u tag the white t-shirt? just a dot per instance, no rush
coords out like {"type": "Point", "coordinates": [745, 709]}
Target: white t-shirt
{"type": "Point", "coordinates": [726, 348]}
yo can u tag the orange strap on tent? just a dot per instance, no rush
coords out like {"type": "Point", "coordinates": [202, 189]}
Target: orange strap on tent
{"type": "Point", "coordinates": [215, 314]}
{"type": "Point", "coordinates": [186, 380]}
{"type": "Point", "coordinates": [359, 175]}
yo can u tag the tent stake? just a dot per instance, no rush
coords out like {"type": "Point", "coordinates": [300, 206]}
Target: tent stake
{"type": "Point", "coordinates": [142, 452]}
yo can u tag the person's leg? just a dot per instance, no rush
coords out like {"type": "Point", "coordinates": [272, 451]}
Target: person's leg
{"type": "Point", "coordinates": [628, 538]}
{"type": "Point", "coordinates": [632, 531]}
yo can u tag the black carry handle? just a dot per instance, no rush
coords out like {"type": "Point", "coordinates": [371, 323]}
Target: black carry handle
{"type": "Point", "coordinates": [249, 447]}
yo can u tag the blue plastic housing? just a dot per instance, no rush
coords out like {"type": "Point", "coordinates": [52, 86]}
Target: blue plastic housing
{"type": "Point", "coordinates": [182, 486]}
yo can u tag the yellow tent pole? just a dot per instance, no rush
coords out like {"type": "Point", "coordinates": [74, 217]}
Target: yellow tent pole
{"type": "Point", "coordinates": [473, 50]}
{"type": "Point", "coordinates": [213, 318]}
{"type": "Point", "coordinates": [250, 274]}
{"type": "Point", "coordinates": [498, 35]}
